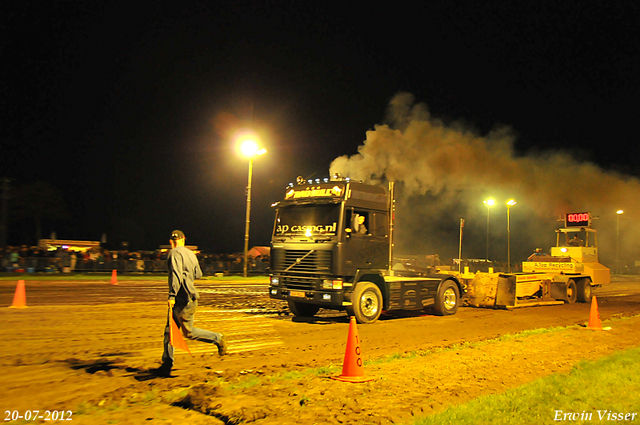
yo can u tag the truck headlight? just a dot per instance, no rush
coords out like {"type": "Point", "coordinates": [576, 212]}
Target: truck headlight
{"type": "Point", "coordinates": [275, 281]}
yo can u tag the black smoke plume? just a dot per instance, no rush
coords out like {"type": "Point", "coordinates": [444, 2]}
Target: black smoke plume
{"type": "Point", "coordinates": [444, 171]}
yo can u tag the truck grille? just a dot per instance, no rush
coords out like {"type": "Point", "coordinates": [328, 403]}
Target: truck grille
{"type": "Point", "coordinates": [302, 261]}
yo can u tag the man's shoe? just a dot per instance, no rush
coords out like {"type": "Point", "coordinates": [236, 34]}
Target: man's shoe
{"type": "Point", "coordinates": [163, 371]}
{"type": "Point", "coordinates": [222, 346]}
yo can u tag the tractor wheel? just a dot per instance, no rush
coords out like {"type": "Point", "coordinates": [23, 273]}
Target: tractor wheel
{"type": "Point", "coordinates": [448, 299]}
{"type": "Point", "coordinates": [367, 302]}
{"type": "Point", "coordinates": [303, 309]}
{"type": "Point", "coordinates": [584, 291]}
{"type": "Point", "coordinates": [572, 291]}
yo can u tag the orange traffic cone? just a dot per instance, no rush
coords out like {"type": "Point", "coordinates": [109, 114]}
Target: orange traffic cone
{"type": "Point", "coordinates": [20, 298]}
{"type": "Point", "coordinates": [175, 336]}
{"type": "Point", "coordinates": [594, 316]}
{"type": "Point", "coordinates": [114, 277]}
{"type": "Point", "coordinates": [352, 370]}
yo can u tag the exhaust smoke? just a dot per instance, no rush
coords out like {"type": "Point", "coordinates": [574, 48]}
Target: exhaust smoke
{"type": "Point", "coordinates": [444, 171]}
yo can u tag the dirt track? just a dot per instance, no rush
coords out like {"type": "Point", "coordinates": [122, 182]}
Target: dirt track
{"type": "Point", "coordinates": [86, 347]}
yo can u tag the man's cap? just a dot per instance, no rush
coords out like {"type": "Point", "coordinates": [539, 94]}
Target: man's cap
{"type": "Point", "coordinates": [177, 234]}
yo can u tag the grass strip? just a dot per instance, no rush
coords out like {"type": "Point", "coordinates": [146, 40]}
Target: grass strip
{"type": "Point", "coordinates": [604, 390]}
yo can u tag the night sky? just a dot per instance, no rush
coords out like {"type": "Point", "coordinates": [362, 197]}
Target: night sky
{"type": "Point", "coordinates": [129, 108]}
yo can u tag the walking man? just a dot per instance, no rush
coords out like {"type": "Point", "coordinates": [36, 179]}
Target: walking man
{"type": "Point", "coordinates": [183, 269]}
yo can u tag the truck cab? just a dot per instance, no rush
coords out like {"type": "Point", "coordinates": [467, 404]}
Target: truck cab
{"type": "Point", "coordinates": [331, 249]}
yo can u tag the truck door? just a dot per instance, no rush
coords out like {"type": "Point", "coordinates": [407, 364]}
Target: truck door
{"type": "Point", "coordinates": [367, 240]}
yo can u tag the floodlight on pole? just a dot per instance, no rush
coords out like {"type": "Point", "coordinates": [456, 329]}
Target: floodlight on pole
{"type": "Point", "coordinates": [489, 203]}
{"type": "Point", "coordinates": [510, 203]}
{"type": "Point", "coordinates": [249, 148]}
{"type": "Point", "coordinates": [618, 214]}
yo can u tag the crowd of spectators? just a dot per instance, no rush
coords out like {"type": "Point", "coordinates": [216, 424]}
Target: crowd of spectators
{"type": "Point", "coordinates": [34, 260]}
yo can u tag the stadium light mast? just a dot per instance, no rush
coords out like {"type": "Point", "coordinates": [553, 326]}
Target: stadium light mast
{"type": "Point", "coordinates": [510, 203]}
{"type": "Point", "coordinates": [249, 147]}
{"type": "Point", "coordinates": [489, 203]}
{"type": "Point", "coordinates": [618, 214]}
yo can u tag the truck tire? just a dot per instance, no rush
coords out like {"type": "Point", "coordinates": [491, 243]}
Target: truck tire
{"type": "Point", "coordinates": [303, 309]}
{"type": "Point", "coordinates": [584, 291]}
{"type": "Point", "coordinates": [367, 302]}
{"type": "Point", "coordinates": [572, 291]}
{"type": "Point", "coordinates": [447, 300]}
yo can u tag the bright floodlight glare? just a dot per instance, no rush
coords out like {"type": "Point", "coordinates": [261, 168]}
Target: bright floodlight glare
{"type": "Point", "coordinates": [619, 212]}
{"type": "Point", "coordinates": [490, 202]}
{"type": "Point", "coordinates": [249, 148]}
{"type": "Point", "coordinates": [511, 202]}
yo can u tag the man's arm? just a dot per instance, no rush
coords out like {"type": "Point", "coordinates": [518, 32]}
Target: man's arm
{"type": "Point", "coordinates": [198, 271]}
{"type": "Point", "coordinates": [175, 274]}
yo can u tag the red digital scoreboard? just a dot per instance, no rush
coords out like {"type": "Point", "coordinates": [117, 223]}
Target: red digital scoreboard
{"type": "Point", "coordinates": [581, 219]}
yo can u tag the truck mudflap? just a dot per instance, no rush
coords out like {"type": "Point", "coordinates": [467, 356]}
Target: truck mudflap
{"type": "Point", "coordinates": [323, 299]}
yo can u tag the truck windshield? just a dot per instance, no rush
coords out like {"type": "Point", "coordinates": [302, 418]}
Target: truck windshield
{"type": "Point", "coordinates": [307, 220]}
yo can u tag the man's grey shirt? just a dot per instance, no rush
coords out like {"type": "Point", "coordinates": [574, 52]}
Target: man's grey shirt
{"type": "Point", "coordinates": [184, 269]}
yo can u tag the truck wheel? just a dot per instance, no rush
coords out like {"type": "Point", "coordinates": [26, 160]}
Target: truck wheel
{"type": "Point", "coordinates": [367, 302]}
{"type": "Point", "coordinates": [584, 291]}
{"type": "Point", "coordinates": [303, 309]}
{"type": "Point", "coordinates": [572, 291]}
{"type": "Point", "coordinates": [448, 299]}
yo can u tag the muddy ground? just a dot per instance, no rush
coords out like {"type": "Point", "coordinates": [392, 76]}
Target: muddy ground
{"type": "Point", "coordinates": [85, 348]}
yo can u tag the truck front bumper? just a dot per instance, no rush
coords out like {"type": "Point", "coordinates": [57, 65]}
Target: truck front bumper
{"type": "Point", "coordinates": [324, 299]}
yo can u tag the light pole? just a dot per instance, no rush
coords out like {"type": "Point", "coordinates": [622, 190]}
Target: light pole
{"type": "Point", "coordinates": [489, 203]}
{"type": "Point", "coordinates": [250, 149]}
{"type": "Point", "coordinates": [510, 203]}
{"type": "Point", "coordinates": [618, 214]}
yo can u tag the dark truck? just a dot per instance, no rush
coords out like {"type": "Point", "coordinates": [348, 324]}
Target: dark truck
{"type": "Point", "coordinates": [331, 248]}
